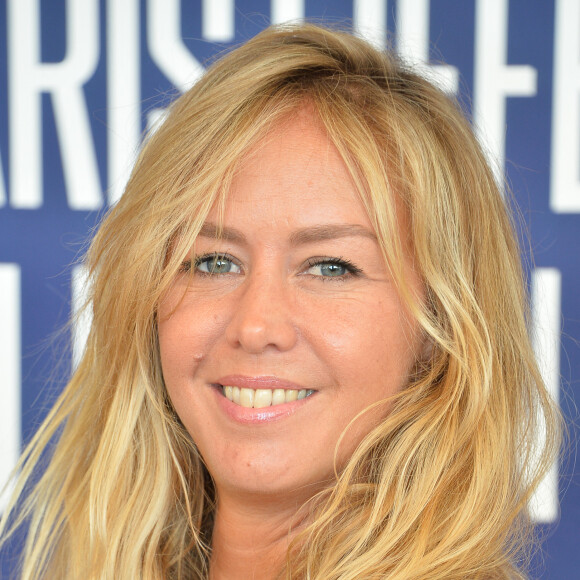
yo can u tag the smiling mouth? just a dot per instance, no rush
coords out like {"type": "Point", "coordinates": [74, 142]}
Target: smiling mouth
{"type": "Point", "coordinates": [260, 398]}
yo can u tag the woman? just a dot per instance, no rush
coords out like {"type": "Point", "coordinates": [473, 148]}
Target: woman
{"type": "Point", "coordinates": [309, 355]}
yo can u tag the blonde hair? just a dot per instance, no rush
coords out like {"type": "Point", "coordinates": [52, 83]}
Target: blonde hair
{"type": "Point", "coordinates": [439, 488]}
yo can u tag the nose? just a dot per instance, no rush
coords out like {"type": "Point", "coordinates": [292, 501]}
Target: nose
{"type": "Point", "coordinates": [262, 317]}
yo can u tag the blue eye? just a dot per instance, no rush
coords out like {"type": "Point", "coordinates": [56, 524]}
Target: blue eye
{"type": "Point", "coordinates": [332, 268]}
{"type": "Point", "coordinates": [216, 264]}
{"type": "Point", "coordinates": [328, 270]}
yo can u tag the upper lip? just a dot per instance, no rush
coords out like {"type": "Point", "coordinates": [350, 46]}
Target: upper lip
{"type": "Point", "coordinates": [259, 382]}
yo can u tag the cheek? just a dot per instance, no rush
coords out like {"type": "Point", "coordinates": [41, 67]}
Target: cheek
{"type": "Point", "coordinates": [186, 332]}
{"type": "Point", "coordinates": [181, 353]}
{"type": "Point", "coordinates": [173, 360]}
{"type": "Point", "coordinates": [180, 349]}
{"type": "Point", "coordinates": [368, 336]}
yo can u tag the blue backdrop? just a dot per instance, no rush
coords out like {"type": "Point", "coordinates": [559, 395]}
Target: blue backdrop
{"type": "Point", "coordinates": [81, 79]}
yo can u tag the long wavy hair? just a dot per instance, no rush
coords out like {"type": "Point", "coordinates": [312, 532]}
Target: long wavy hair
{"type": "Point", "coordinates": [439, 488]}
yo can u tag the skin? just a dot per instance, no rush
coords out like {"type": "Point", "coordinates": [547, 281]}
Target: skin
{"type": "Point", "coordinates": [280, 313]}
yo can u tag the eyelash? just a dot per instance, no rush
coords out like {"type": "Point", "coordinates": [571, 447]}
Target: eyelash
{"type": "Point", "coordinates": [351, 269]}
{"type": "Point", "coordinates": [212, 256]}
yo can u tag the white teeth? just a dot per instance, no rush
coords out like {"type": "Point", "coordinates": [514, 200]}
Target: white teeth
{"type": "Point", "coordinates": [247, 397]}
{"type": "Point", "coordinates": [260, 398]}
{"type": "Point", "coordinates": [278, 396]}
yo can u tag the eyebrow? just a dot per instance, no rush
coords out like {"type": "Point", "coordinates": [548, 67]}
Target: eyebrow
{"type": "Point", "coordinates": [329, 232]}
{"type": "Point", "coordinates": [300, 237]}
{"type": "Point", "coordinates": [213, 231]}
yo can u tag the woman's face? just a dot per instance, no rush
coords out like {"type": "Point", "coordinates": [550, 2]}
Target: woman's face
{"type": "Point", "coordinates": [294, 299]}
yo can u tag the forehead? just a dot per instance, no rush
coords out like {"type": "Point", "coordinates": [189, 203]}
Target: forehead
{"type": "Point", "coordinates": [294, 172]}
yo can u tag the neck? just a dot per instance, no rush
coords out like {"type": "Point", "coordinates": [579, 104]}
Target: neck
{"type": "Point", "coordinates": [251, 537]}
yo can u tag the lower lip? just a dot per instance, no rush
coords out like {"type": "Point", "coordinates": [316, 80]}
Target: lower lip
{"type": "Point", "coordinates": [251, 415]}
